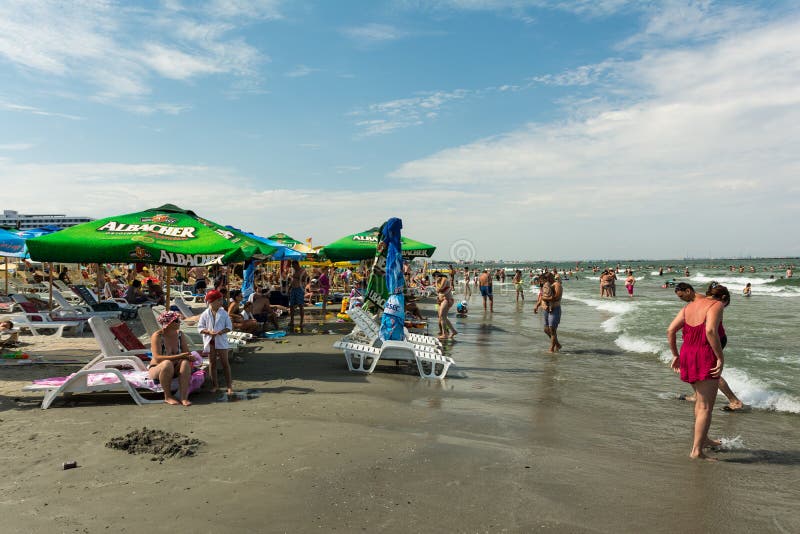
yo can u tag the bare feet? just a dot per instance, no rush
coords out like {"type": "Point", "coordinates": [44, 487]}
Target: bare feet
{"type": "Point", "coordinates": [710, 443]}
{"type": "Point", "coordinates": [734, 406]}
{"type": "Point", "coordinates": [172, 401]}
{"type": "Point", "coordinates": [186, 402]}
{"type": "Point", "coordinates": [453, 334]}
{"type": "Point", "coordinates": [701, 456]}
{"type": "Point", "coordinates": [229, 391]}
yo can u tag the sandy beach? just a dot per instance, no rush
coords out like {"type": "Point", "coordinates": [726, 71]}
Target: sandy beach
{"type": "Point", "coordinates": [317, 448]}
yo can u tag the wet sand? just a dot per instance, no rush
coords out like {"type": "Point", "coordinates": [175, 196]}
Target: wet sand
{"type": "Point", "coordinates": [317, 448]}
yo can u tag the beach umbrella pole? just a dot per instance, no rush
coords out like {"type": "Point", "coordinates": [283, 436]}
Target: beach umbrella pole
{"type": "Point", "coordinates": [169, 279]}
{"type": "Point", "coordinates": [6, 291]}
{"type": "Point", "coordinates": [50, 294]}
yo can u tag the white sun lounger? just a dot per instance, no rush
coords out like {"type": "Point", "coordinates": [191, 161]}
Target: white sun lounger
{"type": "Point", "coordinates": [26, 321]}
{"type": "Point", "coordinates": [371, 329]}
{"type": "Point", "coordinates": [363, 358]}
{"type": "Point", "coordinates": [109, 347]}
{"type": "Point", "coordinates": [113, 379]}
{"type": "Point", "coordinates": [68, 308]}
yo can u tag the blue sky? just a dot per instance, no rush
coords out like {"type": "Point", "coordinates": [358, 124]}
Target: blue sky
{"type": "Point", "coordinates": [496, 129]}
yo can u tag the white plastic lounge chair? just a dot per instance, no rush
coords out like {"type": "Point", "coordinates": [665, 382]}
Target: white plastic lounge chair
{"type": "Point", "coordinates": [371, 329]}
{"type": "Point", "coordinates": [87, 295]}
{"type": "Point", "coordinates": [186, 310]}
{"type": "Point", "coordinates": [363, 358]}
{"type": "Point", "coordinates": [105, 374]}
{"type": "Point", "coordinates": [109, 346]}
{"type": "Point", "coordinates": [148, 317]}
{"type": "Point", "coordinates": [67, 292]}
{"type": "Point", "coordinates": [66, 307]}
{"type": "Point", "coordinates": [74, 323]}
{"type": "Point", "coordinates": [37, 323]}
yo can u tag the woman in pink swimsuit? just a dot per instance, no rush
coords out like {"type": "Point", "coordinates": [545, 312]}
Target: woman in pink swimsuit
{"type": "Point", "coordinates": [700, 360]}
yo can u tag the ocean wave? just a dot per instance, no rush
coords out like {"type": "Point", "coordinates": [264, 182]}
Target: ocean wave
{"type": "Point", "coordinates": [636, 344]}
{"type": "Point", "coordinates": [612, 325]}
{"type": "Point", "coordinates": [613, 306]}
{"type": "Point", "coordinates": [759, 286]}
{"type": "Point", "coordinates": [757, 394]}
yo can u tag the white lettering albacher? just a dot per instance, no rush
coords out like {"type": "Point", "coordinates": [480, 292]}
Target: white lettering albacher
{"type": "Point", "coordinates": [193, 260]}
{"type": "Point", "coordinates": [184, 232]}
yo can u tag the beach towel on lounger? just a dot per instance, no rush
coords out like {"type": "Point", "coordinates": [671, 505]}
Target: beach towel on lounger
{"type": "Point", "coordinates": [138, 379]}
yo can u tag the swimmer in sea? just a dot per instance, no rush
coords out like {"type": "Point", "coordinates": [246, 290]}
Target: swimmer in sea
{"type": "Point", "coordinates": [747, 290]}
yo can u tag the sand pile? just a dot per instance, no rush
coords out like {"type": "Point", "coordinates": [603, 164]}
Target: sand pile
{"type": "Point", "coordinates": [159, 443]}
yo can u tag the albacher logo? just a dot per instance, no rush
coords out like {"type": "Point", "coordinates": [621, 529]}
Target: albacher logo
{"type": "Point", "coordinates": [189, 260]}
{"type": "Point", "coordinates": [371, 238]}
{"type": "Point", "coordinates": [152, 225]}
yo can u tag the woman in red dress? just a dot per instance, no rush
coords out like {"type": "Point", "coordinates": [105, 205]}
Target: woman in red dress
{"type": "Point", "coordinates": [700, 360]}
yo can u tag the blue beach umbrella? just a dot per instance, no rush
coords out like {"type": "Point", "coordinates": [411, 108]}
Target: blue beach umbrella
{"type": "Point", "coordinates": [12, 245]}
{"type": "Point", "coordinates": [282, 253]}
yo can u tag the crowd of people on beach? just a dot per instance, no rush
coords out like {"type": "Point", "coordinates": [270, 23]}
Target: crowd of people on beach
{"type": "Point", "coordinates": [289, 288]}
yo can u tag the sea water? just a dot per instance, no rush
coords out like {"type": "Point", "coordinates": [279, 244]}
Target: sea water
{"type": "Point", "coordinates": [762, 359]}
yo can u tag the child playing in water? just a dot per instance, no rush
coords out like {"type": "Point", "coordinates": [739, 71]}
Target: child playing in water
{"type": "Point", "coordinates": [214, 324]}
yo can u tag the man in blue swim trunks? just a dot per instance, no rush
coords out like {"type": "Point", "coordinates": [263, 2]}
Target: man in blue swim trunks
{"type": "Point", "coordinates": [485, 284]}
{"type": "Point", "coordinates": [551, 298]}
{"type": "Point", "coordinates": [298, 278]}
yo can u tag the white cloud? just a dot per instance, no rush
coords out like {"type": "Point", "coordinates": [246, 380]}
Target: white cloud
{"type": "Point", "coordinates": [111, 48]}
{"type": "Point", "coordinates": [385, 117]}
{"type": "Point", "coordinates": [225, 196]}
{"type": "Point", "coordinates": [16, 146]}
{"type": "Point", "coordinates": [22, 108]}
{"type": "Point", "coordinates": [300, 71]}
{"type": "Point", "coordinates": [693, 19]}
{"type": "Point", "coordinates": [374, 33]}
{"type": "Point", "coordinates": [710, 130]}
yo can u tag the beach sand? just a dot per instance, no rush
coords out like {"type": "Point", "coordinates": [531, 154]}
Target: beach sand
{"type": "Point", "coordinates": [317, 448]}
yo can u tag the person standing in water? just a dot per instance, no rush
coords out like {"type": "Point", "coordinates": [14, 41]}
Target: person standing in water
{"type": "Point", "coordinates": [700, 360]}
{"type": "Point", "coordinates": [518, 285]}
{"type": "Point", "coordinates": [485, 284]}
{"type": "Point", "coordinates": [720, 293]}
{"type": "Point", "coordinates": [629, 283]}
{"type": "Point", "coordinates": [551, 300]}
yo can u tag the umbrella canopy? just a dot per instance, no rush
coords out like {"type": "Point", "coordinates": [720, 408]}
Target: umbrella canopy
{"type": "Point", "coordinates": [167, 235]}
{"type": "Point", "coordinates": [36, 232]}
{"type": "Point", "coordinates": [12, 245]}
{"type": "Point", "coordinates": [282, 252]}
{"type": "Point", "coordinates": [284, 239]}
{"type": "Point", "coordinates": [363, 245]}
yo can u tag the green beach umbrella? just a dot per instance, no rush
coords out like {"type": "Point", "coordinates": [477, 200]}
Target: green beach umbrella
{"type": "Point", "coordinates": [284, 239]}
{"type": "Point", "coordinates": [167, 235]}
{"type": "Point", "coordinates": [364, 245]}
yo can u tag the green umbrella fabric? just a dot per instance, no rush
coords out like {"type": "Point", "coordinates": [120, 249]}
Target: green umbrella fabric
{"type": "Point", "coordinates": [364, 245]}
{"type": "Point", "coordinates": [284, 239]}
{"type": "Point", "coordinates": [167, 235]}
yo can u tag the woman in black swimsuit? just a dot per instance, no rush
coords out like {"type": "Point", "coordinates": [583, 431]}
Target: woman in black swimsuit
{"type": "Point", "coordinates": [170, 358]}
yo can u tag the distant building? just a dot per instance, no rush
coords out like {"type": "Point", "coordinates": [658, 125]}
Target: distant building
{"type": "Point", "coordinates": [13, 219]}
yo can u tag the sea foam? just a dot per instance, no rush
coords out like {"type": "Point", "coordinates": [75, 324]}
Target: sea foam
{"type": "Point", "coordinates": [637, 344]}
{"type": "Point", "coordinates": [756, 393]}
